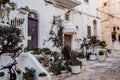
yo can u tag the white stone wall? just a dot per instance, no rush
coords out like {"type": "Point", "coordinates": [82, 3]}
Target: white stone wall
{"type": "Point", "coordinates": [81, 16]}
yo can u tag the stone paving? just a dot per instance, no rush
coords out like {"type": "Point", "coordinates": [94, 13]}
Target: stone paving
{"type": "Point", "coordinates": [94, 70]}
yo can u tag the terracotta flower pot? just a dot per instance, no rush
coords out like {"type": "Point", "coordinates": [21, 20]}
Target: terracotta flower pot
{"type": "Point", "coordinates": [30, 78]}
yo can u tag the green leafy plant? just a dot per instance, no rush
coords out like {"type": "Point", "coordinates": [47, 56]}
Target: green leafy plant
{"type": "Point", "coordinates": [56, 38]}
{"type": "Point", "coordinates": [94, 42]}
{"type": "Point", "coordinates": [109, 51]}
{"type": "Point", "coordinates": [102, 44]}
{"type": "Point", "coordinates": [55, 65]}
{"type": "Point", "coordinates": [80, 55]}
{"type": "Point", "coordinates": [101, 53]}
{"type": "Point", "coordinates": [29, 73]}
{"type": "Point", "coordinates": [10, 40]}
{"type": "Point", "coordinates": [66, 52]}
{"type": "Point", "coordinates": [45, 61]}
{"type": "Point", "coordinates": [3, 1]}
{"type": "Point", "coordinates": [26, 8]}
{"type": "Point", "coordinates": [73, 58]}
{"type": "Point", "coordinates": [42, 74]}
{"type": "Point", "coordinates": [88, 55]}
{"type": "Point", "coordinates": [34, 49]}
{"type": "Point", "coordinates": [84, 44]}
{"type": "Point", "coordinates": [45, 50]}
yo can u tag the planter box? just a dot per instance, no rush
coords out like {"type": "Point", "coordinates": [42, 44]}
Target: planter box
{"type": "Point", "coordinates": [42, 78]}
{"type": "Point", "coordinates": [101, 58]}
{"type": "Point", "coordinates": [93, 57]}
{"type": "Point", "coordinates": [23, 11]}
{"type": "Point", "coordinates": [75, 69]}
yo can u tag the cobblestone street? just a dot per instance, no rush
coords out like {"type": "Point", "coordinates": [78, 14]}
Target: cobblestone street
{"type": "Point", "coordinates": [94, 70]}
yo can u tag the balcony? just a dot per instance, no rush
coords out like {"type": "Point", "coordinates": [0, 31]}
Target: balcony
{"type": "Point", "coordinates": [66, 3]}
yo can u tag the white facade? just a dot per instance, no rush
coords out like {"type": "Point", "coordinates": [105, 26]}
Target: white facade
{"type": "Point", "coordinates": [81, 16]}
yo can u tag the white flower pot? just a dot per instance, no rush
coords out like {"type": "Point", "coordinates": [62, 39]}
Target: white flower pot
{"type": "Point", "coordinates": [42, 78]}
{"type": "Point", "coordinates": [83, 60]}
{"type": "Point", "coordinates": [109, 55]}
{"type": "Point", "coordinates": [93, 57]}
{"type": "Point", "coordinates": [101, 58]}
{"type": "Point", "coordinates": [75, 69]}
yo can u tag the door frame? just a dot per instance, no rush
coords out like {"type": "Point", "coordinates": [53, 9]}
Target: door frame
{"type": "Point", "coordinates": [34, 11]}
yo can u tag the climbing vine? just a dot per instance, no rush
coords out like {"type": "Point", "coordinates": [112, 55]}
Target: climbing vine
{"type": "Point", "coordinates": [57, 38]}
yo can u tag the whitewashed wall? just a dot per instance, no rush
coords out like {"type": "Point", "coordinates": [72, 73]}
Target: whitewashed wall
{"type": "Point", "coordinates": [46, 13]}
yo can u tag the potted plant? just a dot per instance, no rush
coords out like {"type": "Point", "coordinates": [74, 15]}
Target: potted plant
{"type": "Point", "coordinates": [66, 52]}
{"type": "Point", "coordinates": [101, 56]}
{"type": "Point", "coordinates": [93, 57]}
{"type": "Point", "coordinates": [81, 57]}
{"type": "Point", "coordinates": [24, 10]}
{"type": "Point", "coordinates": [75, 64]}
{"type": "Point", "coordinates": [108, 52]}
{"type": "Point", "coordinates": [18, 71]}
{"type": "Point", "coordinates": [84, 45]}
{"type": "Point", "coordinates": [42, 76]}
{"type": "Point", "coordinates": [29, 73]}
{"type": "Point", "coordinates": [93, 43]}
{"type": "Point", "coordinates": [88, 55]}
{"type": "Point", "coordinates": [55, 66]}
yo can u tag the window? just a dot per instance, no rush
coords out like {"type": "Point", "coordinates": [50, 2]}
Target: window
{"type": "Point", "coordinates": [105, 4]}
{"type": "Point", "coordinates": [95, 27]}
{"type": "Point", "coordinates": [118, 28]}
{"type": "Point", "coordinates": [119, 37]}
{"type": "Point", "coordinates": [67, 16]}
{"type": "Point", "coordinates": [88, 31]}
{"type": "Point", "coordinates": [86, 1]}
{"type": "Point", "coordinates": [113, 37]}
{"type": "Point", "coordinates": [114, 28]}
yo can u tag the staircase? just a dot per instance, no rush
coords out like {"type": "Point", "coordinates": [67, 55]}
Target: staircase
{"type": "Point", "coordinates": [25, 60]}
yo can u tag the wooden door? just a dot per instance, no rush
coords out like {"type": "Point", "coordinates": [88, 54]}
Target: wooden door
{"type": "Point", "coordinates": [32, 32]}
{"type": "Point", "coordinates": [67, 39]}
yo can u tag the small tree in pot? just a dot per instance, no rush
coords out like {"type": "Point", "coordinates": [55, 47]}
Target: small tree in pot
{"type": "Point", "coordinates": [66, 52]}
{"type": "Point", "coordinates": [101, 56]}
{"type": "Point", "coordinates": [75, 64]}
{"type": "Point", "coordinates": [93, 43]}
{"type": "Point", "coordinates": [81, 57]}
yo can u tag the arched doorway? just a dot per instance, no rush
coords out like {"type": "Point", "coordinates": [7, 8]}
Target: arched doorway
{"type": "Point", "coordinates": [32, 30]}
